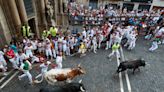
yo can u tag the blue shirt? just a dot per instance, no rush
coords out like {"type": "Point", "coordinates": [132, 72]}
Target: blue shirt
{"type": "Point", "coordinates": [14, 48]}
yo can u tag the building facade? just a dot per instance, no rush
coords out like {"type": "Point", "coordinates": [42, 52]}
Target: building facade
{"type": "Point", "coordinates": [35, 13]}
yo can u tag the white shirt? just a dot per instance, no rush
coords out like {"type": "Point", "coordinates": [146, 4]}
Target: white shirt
{"type": "Point", "coordinates": [39, 45]}
{"type": "Point", "coordinates": [84, 33]}
{"type": "Point", "coordinates": [48, 46]}
{"type": "Point", "coordinates": [34, 44]}
{"type": "Point", "coordinates": [94, 40]}
{"type": "Point", "coordinates": [161, 30]}
{"type": "Point", "coordinates": [22, 57]}
{"type": "Point", "coordinates": [92, 33]}
{"type": "Point", "coordinates": [28, 49]}
{"type": "Point", "coordinates": [44, 68]}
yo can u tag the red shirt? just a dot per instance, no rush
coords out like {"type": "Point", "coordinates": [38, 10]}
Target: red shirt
{"type": "Point", "coordinates": [11, 53]}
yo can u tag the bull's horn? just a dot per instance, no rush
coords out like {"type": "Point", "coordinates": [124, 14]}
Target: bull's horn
{"type": "Point", "coordinates": [79, 65]}
{"type": "Point", "coordinates": [80, 81]}
{"type": "Point", "coordinates": [81, 88]}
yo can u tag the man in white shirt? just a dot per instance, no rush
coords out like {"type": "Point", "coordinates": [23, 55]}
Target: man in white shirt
{"type": "Point", "coordinates": [28, 50]}
{"type": "Point", "coordinates": [48, 49]}
{"type": "Point", "coordinates": [84, 33]}
{"type": "Point", "coordinates": [44, 68]}
{"type": "Point", "coordinates": [92, 32]}
{"type": "Point", "coordinates": [22, 56]}
{"type": "Point", "coordinates": [132, 41]}
{"type": "Point", "coordinates": [59, 60]}
{"type": "Point", "coordinates": [94, 42]}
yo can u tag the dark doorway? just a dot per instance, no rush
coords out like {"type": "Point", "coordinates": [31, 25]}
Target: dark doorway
{"type": "Point", "coordinates": [93, 3]}
{"type": "Point", "coordinates": [32, 25]}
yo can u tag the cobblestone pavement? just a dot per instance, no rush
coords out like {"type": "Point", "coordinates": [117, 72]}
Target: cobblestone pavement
{"type": "Point", "coordinates": [101, 77]}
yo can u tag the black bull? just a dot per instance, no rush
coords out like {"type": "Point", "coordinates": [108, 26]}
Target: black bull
{"type": "Point", "coordinates": [134, 64]}
{"type": "Point", "coordinates": [70, 87]}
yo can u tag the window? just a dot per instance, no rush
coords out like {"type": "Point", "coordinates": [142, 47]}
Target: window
{"type": "Point", "coordinates": [59, 6]}
{"type": "Point", "coordinates": [128, 6]}
{"type": "Point", "coordinates": [93, 4]}
{"type": "Point", "coordinates": [29, 7]}
{"type": "Point", "coordinates": [143, 7]}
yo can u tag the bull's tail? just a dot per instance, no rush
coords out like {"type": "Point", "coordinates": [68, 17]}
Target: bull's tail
{"type": "Point", "coordinates": [39, 81]}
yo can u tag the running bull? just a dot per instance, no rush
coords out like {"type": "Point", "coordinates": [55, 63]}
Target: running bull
{"type": "Point", "coordinates": [133, 64]}
{"type": "Point", "coordinates": [66, 74]}
{"type": "Point", "coordinates": [70, 87]}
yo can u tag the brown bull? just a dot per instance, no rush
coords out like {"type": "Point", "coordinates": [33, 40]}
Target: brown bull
{"type": "Point", "coordinates": [66, 74]}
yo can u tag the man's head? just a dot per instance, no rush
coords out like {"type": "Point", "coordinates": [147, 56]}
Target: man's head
{"type": "Point", "coordinates": [20, 52]}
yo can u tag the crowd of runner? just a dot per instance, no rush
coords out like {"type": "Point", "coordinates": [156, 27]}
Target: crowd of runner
{"type": "Point", "coordinates": [56, 45]}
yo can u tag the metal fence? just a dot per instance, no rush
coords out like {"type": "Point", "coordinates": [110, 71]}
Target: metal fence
{"type": "Point", "coordinates": [94, 21]}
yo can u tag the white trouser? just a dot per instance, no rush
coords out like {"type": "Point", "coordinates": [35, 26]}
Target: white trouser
{"type": "Point", "coordinates": [4, 68]}
{"type": "Point", "coordinates": [41, 74]}
{"type": "Point", "coordinates": [127, 43]}
{"type": "Point", "coordinates": [3, 61]}
{"type": "Point", "coordinates": [14, 63]}
{"type": "Point", "coordinates": [94, 47]}
{"type": "Point", "coordinates": [107, 45]}
{"type": "Point", "coordinates": [110, 43]}
{"type": "Point", "coordinates": [68, 51]}
{"type": "Point", "coordinates": [154, 46]}
{"type": "Point", "coordinates": [114, 52]}
{"type": "Point", "coordinates": [26, 73]}
{"type": "Point", "coordinates": [17, 60]}
{"type": "Point", "coordinates": [54, 53]}
{"type": "Point", "coordinates": [81, 51]}
{"type": "Point", "coordinates": [40, 49]}
{"type": "Point", "coordinates": [99, 43]}
{"type": "Point", "coordinates": [29, 54]}
{"type": "Point", "coordinates": [88, 45]}
{"type": "Point", "coordinates": [59, 60]}
{"type": "Point", "coordinates": [48, 52]}
{"type": "Point", "coordinates": [132, 44]}
{"type": "Point", "coordinates": [64, 48]}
